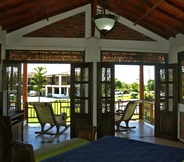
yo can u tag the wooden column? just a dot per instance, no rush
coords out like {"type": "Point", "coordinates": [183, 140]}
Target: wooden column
{"type": "Point", "coordinates": [25, 91]}
{"type": "Point", "coordinates": [141, 92]}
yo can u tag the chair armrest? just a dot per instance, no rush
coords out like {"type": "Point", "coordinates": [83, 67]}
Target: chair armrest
{"type": "Point", "coordinates": [119, 112]}
{"type": "Point", "coordinates": [63, 115]}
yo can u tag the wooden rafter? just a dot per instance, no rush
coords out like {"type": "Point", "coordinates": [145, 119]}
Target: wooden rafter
{"type": "Point", "coordinates": [172, 17]}
{"type": "Point", "coordinates": [139, 9]}
{"type": "Point", "coordinates": [42, 8]}
{"type": "Point", "coordinates": [17, 6]}
{"type": "Point", "coordinates": [174, 5]}
{"type": "Point", "coordinates": [134, 16]}
{"type": "Point", "coordinates": [149, 11]}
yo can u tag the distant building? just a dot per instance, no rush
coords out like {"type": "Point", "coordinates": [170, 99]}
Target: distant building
{"type": "Point", "coordinates": [58, 85]}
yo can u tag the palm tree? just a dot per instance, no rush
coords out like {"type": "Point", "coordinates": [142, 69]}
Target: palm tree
{"type": "Point", "coordinates": [39, 80]}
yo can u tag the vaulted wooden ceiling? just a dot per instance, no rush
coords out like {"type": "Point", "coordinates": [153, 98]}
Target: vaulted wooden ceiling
{"type": "Point", "coordinates": [163, 17]}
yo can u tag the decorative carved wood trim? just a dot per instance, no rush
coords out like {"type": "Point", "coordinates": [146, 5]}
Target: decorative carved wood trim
{"type": "Point", "coordinates": [133, 57]}
{"type": "Point", "coordinates": [30, 56]}
{"type": "Point", "coordinates": [26, 56]}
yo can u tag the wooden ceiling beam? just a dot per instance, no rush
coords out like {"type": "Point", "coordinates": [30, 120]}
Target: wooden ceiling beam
{"type": "Point", "coordinates": [152, 27]}
{"type": "Point", "coordinates": [169, 30]}
{"type": "Point", "coordinates": [19, 17]}
{"type": "Point", "coordinates": [172, 3]}
{"type": "Point", "coordinates": [22, 24]}
{"type": "Point", "coordinates": [163, 22]}
{"type": "Point", "coordinates": [9, 24]}
{"type": "Point", "coordinates": [149, 11]}
{"type": "Point", "coordinates": [24, 21]}
{"type": "Point", "coordinates": [43, 10]}
{"type": "Point", "coordinates": [12, 8]}
{"type": "Point", "coordinates": [173, 18]}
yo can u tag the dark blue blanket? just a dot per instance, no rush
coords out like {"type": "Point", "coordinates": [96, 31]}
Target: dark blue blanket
{"type": "Point", "coordinates": [116, 149]}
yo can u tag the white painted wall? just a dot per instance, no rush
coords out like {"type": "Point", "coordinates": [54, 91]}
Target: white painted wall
{"type": "Point", "coordinates": [175, 45]}
{"type": "Point", "coordinates": [93, 55]}
{"type": "Point", "coordinates": [160, 45]}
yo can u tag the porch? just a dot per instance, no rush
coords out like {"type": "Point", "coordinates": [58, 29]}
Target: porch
{"type": "Point", "coordinates": [144, 110]}
{"type": "Point", "coordinates": [143, 132]}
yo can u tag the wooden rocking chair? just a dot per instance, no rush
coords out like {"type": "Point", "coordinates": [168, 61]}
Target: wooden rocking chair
{"type": "Point", "coordinates": [125, 116]}
{"type": "Point", "coordinates": [46, 115]}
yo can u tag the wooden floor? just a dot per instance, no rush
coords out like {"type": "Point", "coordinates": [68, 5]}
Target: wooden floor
{"type": "Point", "coordinates": [142, 132]}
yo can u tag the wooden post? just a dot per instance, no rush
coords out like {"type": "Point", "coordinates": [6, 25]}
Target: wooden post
{"type": "Point", "coordinates": [141, 92]}
{"type": "Point", "coordinates": [151, 114]}
{"type": "Point", "coordinates": [25, 91]}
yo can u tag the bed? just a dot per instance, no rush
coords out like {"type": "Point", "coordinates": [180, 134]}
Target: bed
{"type": "Point", "coordinates": [117, 149]}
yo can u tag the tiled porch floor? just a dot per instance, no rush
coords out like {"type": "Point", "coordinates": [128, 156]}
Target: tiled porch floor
{"type": "Point", "coordinates": [142, 132]}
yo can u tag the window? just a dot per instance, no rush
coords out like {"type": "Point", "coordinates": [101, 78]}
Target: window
{"type": "Point", "coordinates": [57, 79]}
{"type": "Point", "coordinates": [56, 90]}
{"type": "Point", "coordinates": [63, 78]}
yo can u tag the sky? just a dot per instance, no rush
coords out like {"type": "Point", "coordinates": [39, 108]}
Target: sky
{"type": "Point", "coordinates": [125, 73]}
{"type": "Point", "coordinates": [130, 73]}
{"type": "Point", "coordinates": [51, 68]}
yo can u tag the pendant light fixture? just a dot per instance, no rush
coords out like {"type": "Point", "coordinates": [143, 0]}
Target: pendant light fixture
{"type": "Point", "coordinates": [104, 22]}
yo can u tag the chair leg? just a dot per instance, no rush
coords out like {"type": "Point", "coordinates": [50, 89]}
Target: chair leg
{"type": "Point", "coordinates": [45, 131]}
{"type": "Point", "coordinates": [124, 128]}
{"type": "Point", "coordinates": [117, 127]}
{"type": "Point", "coordinates": [63, 130]}
{"type": "Point", "coordinates": [42, 127]}
{"type": "Point", "coordinates": [57, 127]}
{"type": "Point", "coordinates": [127, 125]}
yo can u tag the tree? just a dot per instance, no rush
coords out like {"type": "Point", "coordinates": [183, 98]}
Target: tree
{"type": "Point", "coordinates": [125, 87]}
{"type": "Point", "coordinates": [135, 87]}
{"type": "Point", "coordinates": [150, 85]}
{"type": "Point", "coordinates": [118, 84]}
{"type": "Point", "coordinates": [39, 80]}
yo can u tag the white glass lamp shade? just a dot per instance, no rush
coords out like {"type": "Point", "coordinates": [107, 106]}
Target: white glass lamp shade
{"type": "Point", "coordinates": [104, 22]}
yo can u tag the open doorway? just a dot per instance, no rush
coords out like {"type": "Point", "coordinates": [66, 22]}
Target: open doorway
{"type": "Point", "coordinates": [57, 81]}
{"type": "Point", "coordinates": [55, 90]}
{"type": "Point", "coordinates": [127, 88]}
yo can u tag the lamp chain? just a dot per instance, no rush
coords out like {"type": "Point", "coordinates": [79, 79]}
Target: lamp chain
{"type": "Point", "coordinates": [104, 3]}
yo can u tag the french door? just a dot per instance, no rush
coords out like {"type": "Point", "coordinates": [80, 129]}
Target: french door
{"type": "Point", "coordinates": [81, 96]}
{"type": "Point", "coordinates": [12, 84]}
{"type": "Point", "coordinates": [166, 101]}
{"type": "Point", "coordinates": [105, 99]}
